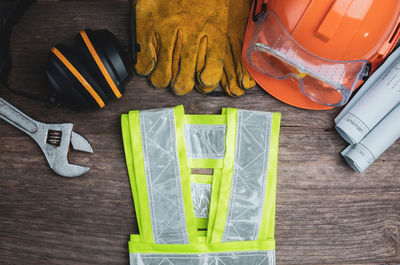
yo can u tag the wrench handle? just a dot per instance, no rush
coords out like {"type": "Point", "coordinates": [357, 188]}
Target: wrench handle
{"type": "Point", "coordinates": [17, 118]}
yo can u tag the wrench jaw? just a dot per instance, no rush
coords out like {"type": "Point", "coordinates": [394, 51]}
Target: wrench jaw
{"type": "Point", "coordinates": [57, 154]}
{"type": "Point", "coordinates": [79, 143]}
{"type": "Point", "coordinates": [69, 170]}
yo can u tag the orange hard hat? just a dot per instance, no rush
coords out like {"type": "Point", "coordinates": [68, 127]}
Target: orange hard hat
{"type": "Point", "coordinates": [338, 31]}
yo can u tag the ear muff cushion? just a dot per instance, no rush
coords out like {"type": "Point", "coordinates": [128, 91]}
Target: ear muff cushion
{"type": "Point", "coordinates": [105, 59]}
{"type": "Point", "coordinates": [76, 77]}
{"type": "Point", "coordinates": [62, 85]}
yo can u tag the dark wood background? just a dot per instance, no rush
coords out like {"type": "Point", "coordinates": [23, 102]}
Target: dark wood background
{"type": "Point", "coordinates": [325, 214]}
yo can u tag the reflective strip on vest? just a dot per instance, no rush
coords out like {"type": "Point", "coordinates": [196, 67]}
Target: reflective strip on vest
{"type": "Point", "coordinates": [266, 257]}
{"type": "Point", "coordinates": [163, 177]}
{"type": "Point", "coordinates": [250, 173]}
{"type": "Point", "coordinates": [201, 195]}
{"type": "Point", "coordinates": [205, 141]}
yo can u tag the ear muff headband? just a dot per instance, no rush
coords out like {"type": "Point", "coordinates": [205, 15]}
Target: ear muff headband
{"type": "Point", "coordinates": [100, 64]}
{"type": "Point", "coordinates": [78, 76]}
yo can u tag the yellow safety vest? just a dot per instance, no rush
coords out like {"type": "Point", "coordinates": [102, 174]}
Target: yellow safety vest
{"type": "Point", "coordinates": [185, 218]}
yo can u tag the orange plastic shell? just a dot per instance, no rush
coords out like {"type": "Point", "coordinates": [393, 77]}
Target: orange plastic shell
{"type": "Point", "coordinates": [332, 29]}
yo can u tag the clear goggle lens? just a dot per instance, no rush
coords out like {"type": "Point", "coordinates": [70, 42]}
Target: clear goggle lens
{"type": "Point", "coordinates": [273, 52]}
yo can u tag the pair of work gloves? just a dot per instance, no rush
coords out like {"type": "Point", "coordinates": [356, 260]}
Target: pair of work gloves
{"type": "Point", "coordinates": [193, 43]}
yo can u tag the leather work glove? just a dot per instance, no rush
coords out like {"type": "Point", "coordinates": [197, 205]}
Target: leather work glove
{"type": "Point", "coordinates": [235, 79]}
{"type": "Point", "coordinates": [180, 41]}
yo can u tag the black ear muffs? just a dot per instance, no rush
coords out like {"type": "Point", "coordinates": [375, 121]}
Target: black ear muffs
{"type": "Point", "coordinates": [103, 55]}
{"type": "Point", "coordinates": [72, 81]}
{"type": "Point", "coordinates": [91, 78]}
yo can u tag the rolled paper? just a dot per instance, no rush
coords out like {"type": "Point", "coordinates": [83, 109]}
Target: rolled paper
{"type": "Point", "coordinates": [377, 97]}
{"type": "Point", "coordinates": [361, 155]}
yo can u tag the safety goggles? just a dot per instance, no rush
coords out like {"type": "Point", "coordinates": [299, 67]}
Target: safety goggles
{"type": "Point", "coordinates": [274, 53]}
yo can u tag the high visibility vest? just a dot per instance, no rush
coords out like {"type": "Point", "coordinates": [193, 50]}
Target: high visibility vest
{"type": "Point", "coordinates": [184, 218]}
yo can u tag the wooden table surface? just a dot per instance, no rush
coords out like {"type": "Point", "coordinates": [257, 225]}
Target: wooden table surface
{"type": "Point", "coordinates": [325, 213]}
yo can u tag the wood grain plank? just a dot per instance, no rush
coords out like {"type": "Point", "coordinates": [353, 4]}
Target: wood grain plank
{"type": "Point", "coordinates": [326, 213]}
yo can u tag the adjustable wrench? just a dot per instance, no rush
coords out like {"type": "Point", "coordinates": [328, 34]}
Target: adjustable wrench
{"type": "Point", "coordinates": [53, 139]}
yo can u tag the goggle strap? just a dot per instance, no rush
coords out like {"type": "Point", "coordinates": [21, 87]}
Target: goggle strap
{"type": "Point", "coordinates": [261, 13]}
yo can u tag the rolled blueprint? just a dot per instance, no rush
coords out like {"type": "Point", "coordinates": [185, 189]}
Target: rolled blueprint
{"type": "Point", "coordinates": [377, 97]}
{"type": "Point", "coordinates": [361, 155]}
